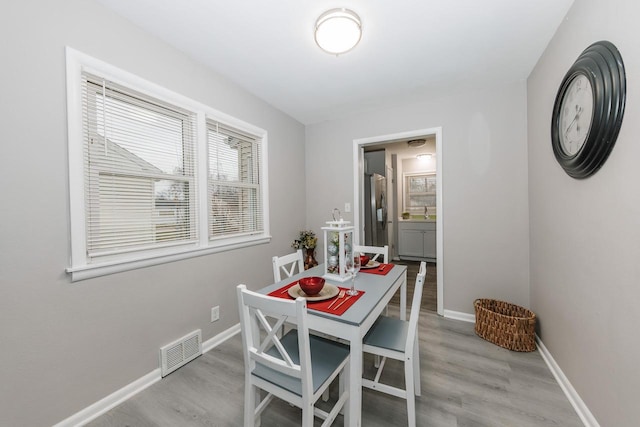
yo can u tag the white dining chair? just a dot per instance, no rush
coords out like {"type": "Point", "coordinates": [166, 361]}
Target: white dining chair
{"type": "Point", "coordinates": [296, 368]}
{"type": "Point", "coordinates": [398, 339]}
{"type": "Point", "coordinates": [376, 251]}
{"type": "Point", "coordinates": [287, 264]}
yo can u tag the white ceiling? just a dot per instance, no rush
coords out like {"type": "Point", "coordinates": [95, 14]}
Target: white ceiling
{"type": "Point", "coordinates": [409, 48]}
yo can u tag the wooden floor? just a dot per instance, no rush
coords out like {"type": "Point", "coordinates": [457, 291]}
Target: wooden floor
{"type": "Point", "coordinates": [466, 381]}
{"type": "Point", "coordinates": [429, 291]}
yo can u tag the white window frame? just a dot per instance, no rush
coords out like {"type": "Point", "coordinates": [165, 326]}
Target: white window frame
{"type": "Point", "coordinates": [81, 268]}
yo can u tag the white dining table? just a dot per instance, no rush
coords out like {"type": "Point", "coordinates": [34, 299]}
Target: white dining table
{"type": "Point", "coordinates": [354, 323]}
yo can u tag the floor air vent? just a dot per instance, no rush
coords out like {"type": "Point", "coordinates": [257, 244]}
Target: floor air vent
{"type": "Point", "coordinates": [180, 352]}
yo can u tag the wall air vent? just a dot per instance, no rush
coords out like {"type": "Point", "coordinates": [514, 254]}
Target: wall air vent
{"type": "Point", "coordinates": [180, 352]}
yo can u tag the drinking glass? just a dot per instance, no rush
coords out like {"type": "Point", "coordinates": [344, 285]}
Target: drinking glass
{"type": "Point", "coordinates": [353, 266]}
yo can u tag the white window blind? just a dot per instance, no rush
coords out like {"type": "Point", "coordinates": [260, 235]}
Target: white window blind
{"type": "Point", "coordinates": [419, 192]}
{"type": "Point", "coordinates": [233, 182]}
{"type": "Point", "coordinates": [140, 182]}
{"type": "Point", "coordinates": [155, 176]}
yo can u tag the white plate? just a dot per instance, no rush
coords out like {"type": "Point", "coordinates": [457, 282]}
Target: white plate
{"type": "Point", "coordinates": [370, 264]}
{"type": "Point", "coordinates": [328, 291]}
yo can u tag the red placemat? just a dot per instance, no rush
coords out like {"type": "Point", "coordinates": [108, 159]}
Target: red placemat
{"type": "Point", "coordinates": [386, 268]}
{"type": "Point", "coordinates": [343, 303]}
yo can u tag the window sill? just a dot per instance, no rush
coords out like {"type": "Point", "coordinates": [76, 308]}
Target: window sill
{"type": "Point", "coordinates": [89, 271]}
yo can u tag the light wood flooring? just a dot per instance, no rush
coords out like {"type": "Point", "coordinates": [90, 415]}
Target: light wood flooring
{"type": "Point", "coordinates": [466, 381]}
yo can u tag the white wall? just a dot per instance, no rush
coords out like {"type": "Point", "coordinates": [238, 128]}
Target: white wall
{"type": "Point", "coordinates": [584, 233]}
{"type": "Point", "coordinates": [67, 345]}
{"type": "Point", "coordinates": [484, 179]}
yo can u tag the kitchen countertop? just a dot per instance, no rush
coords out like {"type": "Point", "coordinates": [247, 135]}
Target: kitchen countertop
{"type": "Point", "coordinates": [417, 220]}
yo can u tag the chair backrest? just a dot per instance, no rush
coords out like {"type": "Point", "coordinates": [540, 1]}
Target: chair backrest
{"type": "Point", "coordinates": [255, 311]}
{"type": "Point", "coordinates": [376, 251]}
{"type": "Point", "coordinates": [415, 306]}
{"type": "Point", "coordinates": [287, 264]}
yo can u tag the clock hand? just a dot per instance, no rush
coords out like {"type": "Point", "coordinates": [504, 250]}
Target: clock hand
{"type": "Point", "coordinates": [575, 120]}
{"type": "Point", "coordinates": [566, 132]}
{"type": "Point", "coordinates": [578, 112]}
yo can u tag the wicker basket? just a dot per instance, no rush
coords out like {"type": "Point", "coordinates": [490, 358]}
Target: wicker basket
{"type": "Point", "coordinates": [504, 324]}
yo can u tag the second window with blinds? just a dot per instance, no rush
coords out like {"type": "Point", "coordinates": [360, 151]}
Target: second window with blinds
{"type": "Point", "coordinates": [155, 176]}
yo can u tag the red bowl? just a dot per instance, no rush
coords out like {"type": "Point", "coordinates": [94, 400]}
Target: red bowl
{"type": "Point", "coordinates": [364, 260]}
{"type": "Point", "coordinates": [311, 285]}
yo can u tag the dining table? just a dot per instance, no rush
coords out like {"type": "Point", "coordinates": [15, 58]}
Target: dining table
{"type": "Point", "coordinates": [376, 288]}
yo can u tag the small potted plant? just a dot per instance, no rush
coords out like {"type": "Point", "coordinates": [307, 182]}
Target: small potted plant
{"type": "Point", "coordinates": [307, 240]}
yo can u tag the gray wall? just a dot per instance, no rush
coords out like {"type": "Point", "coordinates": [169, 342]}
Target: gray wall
{"type": "Point", "coordinates": [485, 211]}
{"type": "Point", "coordinates": [584, 233]}
{"type": "Point", "coordinates": [67, 345]}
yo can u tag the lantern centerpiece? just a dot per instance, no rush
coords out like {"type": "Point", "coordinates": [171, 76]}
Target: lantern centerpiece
{"type": "Point", "coordinates": [338, 237]}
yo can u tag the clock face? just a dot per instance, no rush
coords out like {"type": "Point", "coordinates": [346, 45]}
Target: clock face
{"type": "Point", "coordinates": [576, 115]}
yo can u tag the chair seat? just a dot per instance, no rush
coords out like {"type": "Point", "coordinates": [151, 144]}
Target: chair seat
{"type": "Point", "coordinates": [389, 333]}
{"type": "Point", "coordinates": [326, 356]}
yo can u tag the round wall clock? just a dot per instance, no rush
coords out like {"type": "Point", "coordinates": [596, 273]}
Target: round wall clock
{"type": "Point", "coordinates": [588, 110]}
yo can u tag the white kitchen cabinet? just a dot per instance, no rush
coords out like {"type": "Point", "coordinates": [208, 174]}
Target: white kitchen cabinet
{"type": "Point", "coordinates": [430, 242]}
{"type": "Point", "coordinates": [417, 240]}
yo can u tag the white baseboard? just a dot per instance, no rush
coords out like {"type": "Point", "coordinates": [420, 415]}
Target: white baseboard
{"type": "Point", "coordinates": [93, 411]}
{"type": "Point", "coordinates": [574, 398]}
{"type": "Point", "coordinates": [220, 338]}
{"type": "Point", "coordinates": [458, 315]}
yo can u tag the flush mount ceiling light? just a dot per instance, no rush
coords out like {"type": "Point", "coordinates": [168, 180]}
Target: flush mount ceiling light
{"type": "Point", "coordinates": [338, 31]}
{"type": "Point", "coordinates": [416, 143]}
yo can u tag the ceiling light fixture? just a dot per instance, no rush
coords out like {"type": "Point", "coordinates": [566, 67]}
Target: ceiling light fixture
{"type": "Point", "coordinates": [416, 143]}
{"type": "Point", "coordinates": [338, 31]}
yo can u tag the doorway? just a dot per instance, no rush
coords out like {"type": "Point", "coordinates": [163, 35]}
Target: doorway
{"type": "Point", "coordinates": [394, 152]}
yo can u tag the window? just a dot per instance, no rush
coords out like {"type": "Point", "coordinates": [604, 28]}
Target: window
{"type": "Point", "coordinates": [155, 176]}
{"type": "Point", "coordinates": [139, 171]}
{"type": "Point", "coordinates": [234, 182]}
{"type": "Point", "coordinates": [419, 192]}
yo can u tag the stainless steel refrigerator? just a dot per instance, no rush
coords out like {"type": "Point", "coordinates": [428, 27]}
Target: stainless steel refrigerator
{"type": "Point", "coordinates": [375, 210]}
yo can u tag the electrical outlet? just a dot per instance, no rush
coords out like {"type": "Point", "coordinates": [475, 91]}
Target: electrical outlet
{"type": "Point", "coordinates": [347, 207]}
{"type": "Point", "coordinates": [215, 313]}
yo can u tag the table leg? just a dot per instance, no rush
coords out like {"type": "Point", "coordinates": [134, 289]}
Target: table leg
{"type": "Point", "coordinates": [353, 413]}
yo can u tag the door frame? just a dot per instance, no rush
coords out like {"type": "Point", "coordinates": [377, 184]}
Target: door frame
{"type": "Point", "coordinates": [358, 194]}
